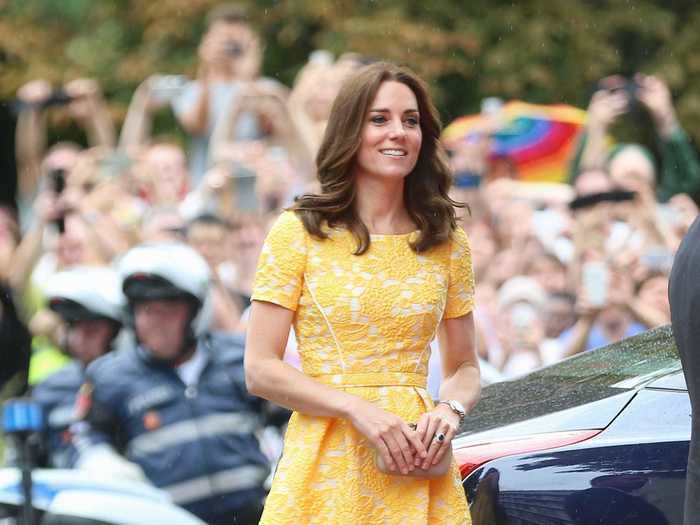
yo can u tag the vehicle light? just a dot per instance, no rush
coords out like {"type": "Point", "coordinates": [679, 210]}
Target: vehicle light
{"type": "Point", "coordinates": [469, 457]}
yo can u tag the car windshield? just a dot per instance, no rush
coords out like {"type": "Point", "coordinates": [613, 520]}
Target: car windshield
{"type": "Point", "coordinates": [606, 376]}
{"type": "Point", "coordinates": [627, 364]}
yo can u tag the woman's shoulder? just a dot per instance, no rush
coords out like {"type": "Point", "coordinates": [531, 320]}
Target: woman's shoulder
{"type": "Point", "coordinates": [459, 241]}
{"type": "Point", "coordinates": [288, 222]}
{"type": "Point", "coordinates": [287, 230]}
{"type": "Point", "coordinates": [459, 235]}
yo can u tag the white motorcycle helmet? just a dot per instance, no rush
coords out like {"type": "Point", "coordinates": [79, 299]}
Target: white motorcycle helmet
{"type": "Point", "coordinates": [164, 271]}
{"type": "Point", "coordinates": [85, 293]}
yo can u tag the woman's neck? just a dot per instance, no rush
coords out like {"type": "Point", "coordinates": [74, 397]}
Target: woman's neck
{"type": "Point", "coordinates": [380, 206]}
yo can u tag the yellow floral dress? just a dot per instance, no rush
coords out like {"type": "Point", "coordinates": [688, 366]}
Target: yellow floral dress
{"type": "Point", "coordinates": [363, 324]}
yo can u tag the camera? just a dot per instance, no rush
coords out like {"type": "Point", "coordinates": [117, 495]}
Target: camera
{"type": "Point", "coordinates": [242, 182]}
{"type": "Point", "coordinates": [58, 97]}
{"type": "Point", "coordinates": [233, 48]}
{"type": "Point", "coordinates": [165, 88]}
{"type": "Point", "coordinates": [592, 199]}
{"type": "Point", "coordinates": [57, 181]}
{"type": "Point", "coordinates": [626, 85]}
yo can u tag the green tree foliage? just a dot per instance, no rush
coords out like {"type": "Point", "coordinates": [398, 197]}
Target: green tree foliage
{"type": "Point", "coordinates": [536, 50]}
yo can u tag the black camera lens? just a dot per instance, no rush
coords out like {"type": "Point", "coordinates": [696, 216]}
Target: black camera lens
{"type": "Point", "coordinates": [57, 178]}
{"type": "Point", "coordinates": [233, 48]}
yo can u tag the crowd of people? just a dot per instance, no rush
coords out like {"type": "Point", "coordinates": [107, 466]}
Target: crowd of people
{"type": "Point", "coordinates": [560, 268]}
{"type": "Point", "coordinates": [565, 268]}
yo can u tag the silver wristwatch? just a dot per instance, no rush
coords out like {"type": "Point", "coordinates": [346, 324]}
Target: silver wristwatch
{"type": "Point", "coordinates": [457, 408]}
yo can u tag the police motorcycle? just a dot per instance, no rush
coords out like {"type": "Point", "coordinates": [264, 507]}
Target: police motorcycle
{"type": "Point", "coordinates": [34, 496]}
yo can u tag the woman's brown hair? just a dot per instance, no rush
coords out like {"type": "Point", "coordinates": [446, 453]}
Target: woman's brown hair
{"type": "Point", "coordinates": [425, 188]}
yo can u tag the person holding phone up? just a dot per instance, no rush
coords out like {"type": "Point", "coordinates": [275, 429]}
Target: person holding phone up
{"type": "Point", "coordinates": [229, 58]}
{"type": "Point", "coordinates": [617, 96]}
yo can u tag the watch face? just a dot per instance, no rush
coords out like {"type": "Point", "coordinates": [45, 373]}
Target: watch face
{"type": "Point", "coordinates": [457, 407]}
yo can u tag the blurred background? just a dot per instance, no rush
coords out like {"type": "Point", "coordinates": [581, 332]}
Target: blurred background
{"type": "Point", "coordinates": [535, 50]}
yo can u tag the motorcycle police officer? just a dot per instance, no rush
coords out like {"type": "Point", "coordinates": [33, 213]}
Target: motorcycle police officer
{"type": "Point", "coordinates": [90, 302]}
{"type": "Point", "coordinates": [175, 403]}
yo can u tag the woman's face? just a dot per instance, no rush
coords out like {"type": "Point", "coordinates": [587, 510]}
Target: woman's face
{"type": "Point", "coordinates": [392, 136]}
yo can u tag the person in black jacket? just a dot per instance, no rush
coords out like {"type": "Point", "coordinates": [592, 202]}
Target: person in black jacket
{"type": "Point", "coordinates": [684, 296]}
{"type": "Point", "coordinates": [15, 348]}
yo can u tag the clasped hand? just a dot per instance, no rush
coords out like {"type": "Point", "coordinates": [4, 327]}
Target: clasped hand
{"type": "Point", "coordinates": [401, 446]}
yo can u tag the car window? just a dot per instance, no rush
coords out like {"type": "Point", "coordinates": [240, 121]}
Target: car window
{"type": "Point", "coordinates": [627, 364]}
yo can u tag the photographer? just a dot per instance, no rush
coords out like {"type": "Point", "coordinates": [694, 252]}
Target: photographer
{"type": "Point", "coordinates": [155, 93]}
{"type": "Point", "coordinates": [605, 307]}
{"type": "Point", "coordinates": [229, 55]}
{"type": "Point", "coordinates": [680, 169]}
{"type": "Point", "coordinates": [83, 101]}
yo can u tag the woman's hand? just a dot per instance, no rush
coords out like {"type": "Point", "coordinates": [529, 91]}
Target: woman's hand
{"type": "Point", "coordinates": [655, 95]}
{"type": "Point", "coordinates": [605, 107]}
{"type": "Point", "coordinates": [440, 421]}
{"type": "Point", "coordinates": [393, 439]}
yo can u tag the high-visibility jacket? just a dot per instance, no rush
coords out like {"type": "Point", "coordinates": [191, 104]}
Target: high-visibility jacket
{"type": "Point", "coordinates": [196, 442]}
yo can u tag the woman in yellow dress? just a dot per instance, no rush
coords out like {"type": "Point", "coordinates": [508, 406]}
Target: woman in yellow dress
{"type": "Point", "coordinates": [368, 271]}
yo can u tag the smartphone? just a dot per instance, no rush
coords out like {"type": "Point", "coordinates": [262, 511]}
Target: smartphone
{"type": "Point", "coordinates": [522, 316]}
{"type": "Point", "coordinates": [596, 280]}
{"type": "Point", "coordinates": [243, 182]}
{"type": "Point", "coordinates": [491, 106]}
{"type": "Point", "coordinates": [165, 88]}
{"type": "Point", "coordinates": [321, 57]}
{"type": "Point", "coordinates": [657, 259]}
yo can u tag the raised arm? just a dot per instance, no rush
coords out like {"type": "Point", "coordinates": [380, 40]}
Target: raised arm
{"type": "Point", "coordinates": [88, 107]}
{"type": "Point", "coordinates": [136, 131]}
{"type": "Point", "coordinates": [30, 136]}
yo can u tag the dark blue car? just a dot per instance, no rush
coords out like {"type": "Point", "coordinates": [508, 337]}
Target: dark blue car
{"type": "Point", "coordinates": [601, 438]}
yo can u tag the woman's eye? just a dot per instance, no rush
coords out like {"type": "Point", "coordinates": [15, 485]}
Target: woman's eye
{"type": "Point", "coordinates": [412, 121]}
{"type": "Point", "coordinates": [378, 119]}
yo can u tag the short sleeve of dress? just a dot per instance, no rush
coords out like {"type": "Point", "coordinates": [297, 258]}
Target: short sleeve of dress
{"type": "Point", "coordinates": [460, 291]}
{"type": "Point", "coordinates": [280, 272]}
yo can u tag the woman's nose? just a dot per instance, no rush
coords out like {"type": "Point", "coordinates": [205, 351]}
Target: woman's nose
{"type": "Point", "coordinates": [397, 129]}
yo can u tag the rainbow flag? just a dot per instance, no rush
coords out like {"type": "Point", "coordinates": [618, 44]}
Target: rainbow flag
{"type": "Point", "coordinates": [538, 139]}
